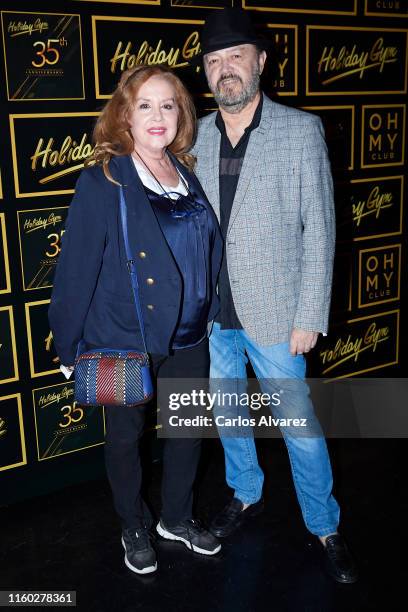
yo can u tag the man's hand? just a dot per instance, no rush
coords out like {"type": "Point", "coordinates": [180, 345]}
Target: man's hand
{"type": "Point", "coordinates": [302, 341]}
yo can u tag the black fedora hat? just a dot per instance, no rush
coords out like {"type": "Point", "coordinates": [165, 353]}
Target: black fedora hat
{"type": "Point", "coordinates": [228, 28]}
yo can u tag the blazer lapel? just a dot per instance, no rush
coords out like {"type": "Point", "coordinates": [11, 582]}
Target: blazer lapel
{"type": "Point", "coordinates": [209, 162]}
{"type": "Point", "coordinates": [252, 159]}
{"type": "Point", "coordinates": [214, 170]}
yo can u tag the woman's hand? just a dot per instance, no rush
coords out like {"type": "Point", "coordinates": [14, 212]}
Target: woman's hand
{"type": "Point", "coordinates": [67, 370]}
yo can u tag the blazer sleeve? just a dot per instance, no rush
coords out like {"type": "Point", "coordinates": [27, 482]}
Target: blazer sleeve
{"type": "Point", "coordinates": [78, 266]}
{"type": "Point", "coordinates": [318, 240]}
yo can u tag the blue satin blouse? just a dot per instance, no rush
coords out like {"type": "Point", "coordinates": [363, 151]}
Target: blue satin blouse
{"type": "Point", "coordinates": [189, 231]}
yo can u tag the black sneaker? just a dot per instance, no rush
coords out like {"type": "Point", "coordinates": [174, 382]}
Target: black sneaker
{"type": "Point", "coordinates": [339, 562]}
{"type": "Point", "coordinates": [233, 516]}
{"type": "Point", "coordinates": [192, 534]}
{"type": "Point", "coordinates": [140, 557]}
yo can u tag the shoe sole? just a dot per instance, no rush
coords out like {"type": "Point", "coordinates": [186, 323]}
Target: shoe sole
{"type": "Point", "coordinates": [146, 570]}
{"type": "Point", "coordinates": [338, 579]}
{"type": "Point", "coordinates": [341, 581]}
{"type": "Point", "coordinates": [221, 534]}
{"type": "Point", "coordinates": [167, 535]}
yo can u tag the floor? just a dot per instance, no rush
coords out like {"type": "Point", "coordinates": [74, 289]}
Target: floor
{"type": "Point", "coordinates": [70, 540]}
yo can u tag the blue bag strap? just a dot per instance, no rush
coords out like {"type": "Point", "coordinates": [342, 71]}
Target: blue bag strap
{"type": "Point", "coordinates": [131, 266]}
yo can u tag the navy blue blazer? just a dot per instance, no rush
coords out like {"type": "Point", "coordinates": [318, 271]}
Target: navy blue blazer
{"type": "Point", "coordinates": [92, 298]}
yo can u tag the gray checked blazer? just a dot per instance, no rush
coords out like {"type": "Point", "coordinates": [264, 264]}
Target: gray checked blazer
{"type": "Point", "coordinates": [281, 235]}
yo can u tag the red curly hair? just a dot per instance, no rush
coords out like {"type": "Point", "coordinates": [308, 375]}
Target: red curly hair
{"type": "Point", "coordinates": [112, 136]}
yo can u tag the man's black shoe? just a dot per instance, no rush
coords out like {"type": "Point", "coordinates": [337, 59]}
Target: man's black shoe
{"type": "Point", "coordinates": [233, 516]}
{"type": "Point", "coordinates": [192, 534]}
{"type": "Point", "coordinates": [140, 557]}
{"type": "Point", "coordinates": [338, 560]}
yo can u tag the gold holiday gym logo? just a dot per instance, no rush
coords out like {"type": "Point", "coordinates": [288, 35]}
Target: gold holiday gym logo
{"type": "Point", "coordinates": [49, 150]}
{"type": "Point", "coordinates": [126, 55]}
{"type": "Point", "coordinates": [366, 344]}
{"type": "Point", "coordinates": [41, 223]}
{"type": "Point", "coordinates": [18, 28]}
{"type": "Point", "coordinates": [50, 154]}
{"type": "Point", "coordinates": [54, 396]}
{"type": "Point", "coordinates": [376, 207]}
{"type": "Point", "coordinates": [351, 347]}
{"type": "Point", "coordinates": [335, 64]}
{"type": "Point", "coordinates": [375, 204]}
{"type": "Point", "coordinates": [355, 61]}
{"type": "Point", "coordinates": [120, 44]}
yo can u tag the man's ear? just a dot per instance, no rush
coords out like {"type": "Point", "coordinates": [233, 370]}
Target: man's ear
{"type": "Point", "coordinates": [262, 60]}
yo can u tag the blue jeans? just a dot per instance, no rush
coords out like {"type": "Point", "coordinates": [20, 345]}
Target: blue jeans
{"type": "Point", "coordinates": [308, 455]}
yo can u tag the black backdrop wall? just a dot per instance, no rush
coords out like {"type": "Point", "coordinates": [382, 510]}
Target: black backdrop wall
{"type": "Point", "coordinates": [344, 60]}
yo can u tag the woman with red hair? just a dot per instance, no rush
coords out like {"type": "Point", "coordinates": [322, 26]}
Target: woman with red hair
{"type": "Point", "coordinates": [142, 139]}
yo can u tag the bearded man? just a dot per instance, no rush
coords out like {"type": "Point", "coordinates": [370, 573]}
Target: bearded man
{"type": "Point", "coordinates": [266, 171]}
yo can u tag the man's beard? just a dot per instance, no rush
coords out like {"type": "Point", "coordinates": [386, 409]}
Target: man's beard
{"type": "Point", "coordinates": [234, 101]}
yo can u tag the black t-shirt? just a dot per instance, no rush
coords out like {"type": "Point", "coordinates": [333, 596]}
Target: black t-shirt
{"type": "Point", "coordinates": [231, 160]}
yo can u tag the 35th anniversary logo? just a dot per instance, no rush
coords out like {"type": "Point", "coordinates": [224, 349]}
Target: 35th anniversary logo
{"type": "Point", "coordinates": [40, 232]}
{"type": "Point", "coordinates": [343, 60]}
{"type": "Point", "coordinates": [43, 56]}
{"type": "Point", "coordinates": [63, 426]}
{"type": "Point", "coordinates": [49, 150]}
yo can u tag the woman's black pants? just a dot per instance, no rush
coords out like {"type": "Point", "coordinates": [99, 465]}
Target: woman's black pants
{"type": "Point", "coordinates": [124, 427]}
